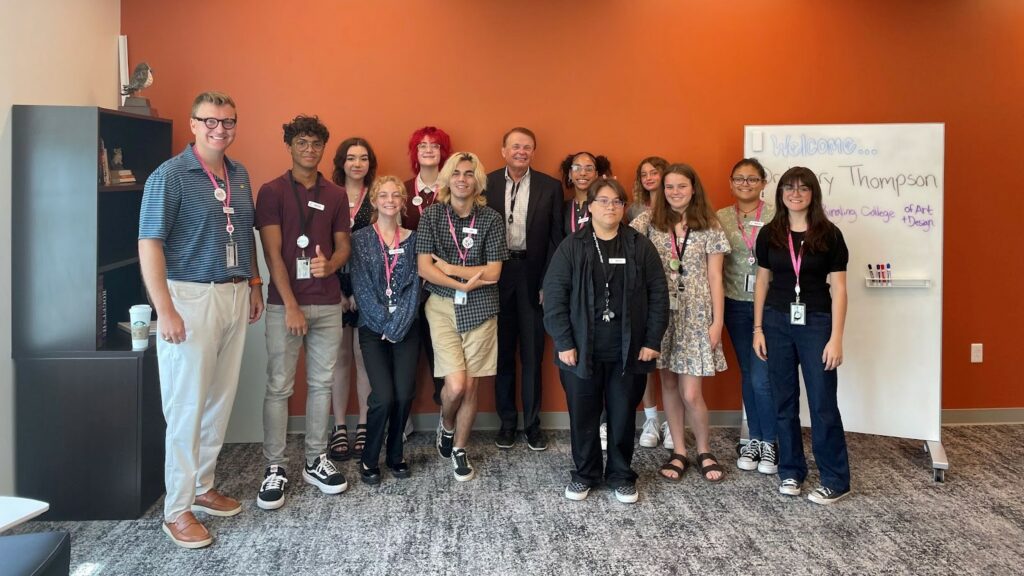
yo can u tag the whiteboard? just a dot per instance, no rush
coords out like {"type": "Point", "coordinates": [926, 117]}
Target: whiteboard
{"type": "Point", "coordinates": [882, 184]}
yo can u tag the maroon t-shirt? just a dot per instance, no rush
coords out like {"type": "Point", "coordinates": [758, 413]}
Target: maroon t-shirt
{"type": "Point", "coordinates": [276, 204]}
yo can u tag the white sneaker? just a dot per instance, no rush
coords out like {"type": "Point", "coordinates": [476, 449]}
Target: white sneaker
{"type": "Point", "coordinates": [603, 432]}
{"type": "Point", "coordinates": [666, 435]}
{"type": "Point", "coordinates": [650, 437]}
{"type": "Point", "coordinates": [769, 463]}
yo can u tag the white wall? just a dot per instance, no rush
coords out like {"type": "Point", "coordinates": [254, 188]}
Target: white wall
{"type": "Point", "coordinates": [51, 52]}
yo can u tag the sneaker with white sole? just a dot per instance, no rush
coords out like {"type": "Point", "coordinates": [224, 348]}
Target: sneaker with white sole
{"type": "Point", "coordinates": [790, 487]}
{"type": "Point", "coordinates": [826, 495]}
{"type": "Point", "coordinates": [322, 474]}
{"type": "Point", "coordinates": [603, 432]}
{"type": "Point", "coordinates": [769, 463]}
{"type": "Point", "coordinates": [445, 440]}
{"type": "Point", "coordinates": [460, 462]}
{"type": "Point", "coordinates": [626, 494]}
{"type": "Point", "coordinates": [271, 494]}
{"type": "Point", "coordinates": [666, 436]}
{"type": "Point", "coordinates": [750, 455]}
{"type": "Point", "coordinates": [577, 491]}
{"type": "Point", "coordinates": [650, 436]}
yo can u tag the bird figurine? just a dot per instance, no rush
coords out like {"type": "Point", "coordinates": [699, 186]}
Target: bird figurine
{"type": "Point", "coordinates": [142, 77]}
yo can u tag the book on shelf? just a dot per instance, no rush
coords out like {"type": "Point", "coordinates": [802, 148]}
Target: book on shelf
{"type": "Point", "coordinates": [104, 165]}
{"type": "Point", "coordinates": [101, 312]}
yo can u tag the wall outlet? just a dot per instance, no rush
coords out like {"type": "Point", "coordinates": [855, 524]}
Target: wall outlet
{"type": "Point", "coordinates": [976, 353]}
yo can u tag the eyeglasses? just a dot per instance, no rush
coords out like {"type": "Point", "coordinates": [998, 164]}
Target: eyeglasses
{"type": "Point", "coordinates": [751, 180]}
{"type": "Point", "coordinates": [428, 146]}
{"type": "Point", "coordinates": [303, 144]}
{"type": "Point", "coordinates": [585, 168]}
{"type": "Point", "coordinates": [802, 189]}
{"type": "Point", "coordinates": [211, 123]}
{"type": "Point", "coordinates": [609, 202]}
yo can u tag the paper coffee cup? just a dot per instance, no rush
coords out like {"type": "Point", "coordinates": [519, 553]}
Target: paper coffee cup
{"type": "Point", "coordinates": [141, 315]}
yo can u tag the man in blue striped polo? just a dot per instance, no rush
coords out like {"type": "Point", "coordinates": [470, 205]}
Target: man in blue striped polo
{"type": "Point", "coordinates": [198, 258]}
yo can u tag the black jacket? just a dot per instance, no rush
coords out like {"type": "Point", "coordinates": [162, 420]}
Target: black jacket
{"type": "Point", "coordinates": [569, 300]}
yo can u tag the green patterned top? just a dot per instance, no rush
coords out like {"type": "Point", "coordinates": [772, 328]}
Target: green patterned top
{"type": "Point", "coordinates": [736, 262]}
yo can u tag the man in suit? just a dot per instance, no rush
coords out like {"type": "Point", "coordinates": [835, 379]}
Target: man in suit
{"type": "Point", "coordinates": [530, 203]}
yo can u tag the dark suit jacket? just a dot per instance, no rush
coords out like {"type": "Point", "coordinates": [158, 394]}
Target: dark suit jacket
{"type": "Point", "coordinates": [543, 221]}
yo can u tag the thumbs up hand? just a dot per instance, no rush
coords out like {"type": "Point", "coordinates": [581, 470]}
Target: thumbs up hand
{"type": "Point", "coordinates": [319, 266]}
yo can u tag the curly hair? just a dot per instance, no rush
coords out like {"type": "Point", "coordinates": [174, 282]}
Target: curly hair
{"type": "Point", "coordinates": [640, 194]}
{"type": "Point", "coordinates": [601, 163]}
{"type": "Point", "coordinates": [378, 184]}
{"type": "Point", "coordinates": [339, 161]}
{"type": "Point", "coordinates": [438, 136]}
{"type": "Point", "coordinates": [305, 125]}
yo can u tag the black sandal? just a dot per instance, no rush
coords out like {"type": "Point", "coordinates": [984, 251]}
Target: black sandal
{"type": "Point", "coordinates": [400, 470]}
{"type": "Point", "coordinates": [670, 467]}
{"type": "Point", "coordinates": [716, 467]}
{"type": "Point", "coordinates": [369, 476]}
{"type": "Point", "coordinates": [360, 442]}
{"type": "Point", "coordinates": [339, 451]}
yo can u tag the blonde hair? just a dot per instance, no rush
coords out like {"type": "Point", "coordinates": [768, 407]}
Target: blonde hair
{"type": "Point", "coordinates": [444, 194]}
{"type": "Point", "coordinates": [212, 97]}
{"type": "Point", "coordinates": [375, 189]}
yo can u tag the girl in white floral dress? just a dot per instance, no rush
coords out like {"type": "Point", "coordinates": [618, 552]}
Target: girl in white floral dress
{"type": "Point", "coordinates": [683, 227]}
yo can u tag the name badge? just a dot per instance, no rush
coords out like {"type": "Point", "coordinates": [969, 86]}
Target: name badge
{"type": "Point", "coordinates": [798, 314]}
{"type": "Point", "coordinates": [757, 223]}
{"type": "Point", "coordinates": [749, 283]}
{"type": "Point", "coordinates": [460, 298]}
{"type": "Point", "coordinates": [468, 230]}
{"type": "Point", "coordinates": [315, 205]}
{"type": "Point", "coordinates": [673, 302]}
{"type": "Point", "coordinates": [302, 269]}
{"type": "Point", "coordinates": [394, 251]}
{"type": "Point", "coordinates": [231, 253]}
{"type": "Point", "coordinates": [583, 219]}
{"type": "Point", "coordinates": [616, 260]}
{"type": "Point", "coordinates": [229, 210]}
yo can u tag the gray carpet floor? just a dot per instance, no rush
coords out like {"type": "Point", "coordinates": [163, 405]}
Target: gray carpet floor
{"type": "Point", "coordinates": [513, 519]}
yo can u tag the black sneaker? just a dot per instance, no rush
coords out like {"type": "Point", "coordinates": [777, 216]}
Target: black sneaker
{"type": "Point", "coordinates": [769, 461]}
{"type": "Point", "coordinates": [271, 495]}
{"type": "Point", "coordinates": [626, 494]}
{"type": "Point", "coordinates": [536, 440]}
{"type": "Point", "coordinates": [445, 440]}
{"type": "Point", "coordinates": [750, 456]}
{"type": "Point", "coordinates": [322, 474]}
{"type": "Point", "coordinates": [577, 491]}
{"type": "Point", "coordinates": [463, 469]}
{"type": "Point", "coordinates": [506, 439]}
{"type": "Point", "coordinates": [826, 495]}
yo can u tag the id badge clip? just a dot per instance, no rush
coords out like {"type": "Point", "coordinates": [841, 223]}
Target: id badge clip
{"type": "Point", "coordinates": [231, 254]}
{"type": "Point", "coordinates": [749, 283]}
{"type": "Point", "coordinates": [302, 269]}
{"type": "Point", "coordinates": [460, 298]}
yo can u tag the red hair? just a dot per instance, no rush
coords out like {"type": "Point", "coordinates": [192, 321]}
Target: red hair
{"type": "Point", "coordinates": [437, 135]}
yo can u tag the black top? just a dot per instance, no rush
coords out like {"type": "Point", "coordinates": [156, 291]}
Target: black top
{"type": "Point", "coordinates": [608, 335]}
{"type": "Point", "coordinates": [814, 271]}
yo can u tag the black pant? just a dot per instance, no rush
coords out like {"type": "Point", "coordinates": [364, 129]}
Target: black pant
{"type": "Point", "coordinates": [391, 369]}
{"type": "Point", "coordinates": [428, 348]}
{"type": "Point", "coordinates": [618, 394]}
{"type": "Point", "coordinates": [520, 320]}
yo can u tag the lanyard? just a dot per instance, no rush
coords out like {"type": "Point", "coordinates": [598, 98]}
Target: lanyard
{"type": "Point", "coordinates": [512, 203]}
{"type": "Point", "coordinates": [359, 204]}
{"type": "Point", "coordinates": [753, 231]}
{"type": "Point", "coordinates": [677, 254]}
{"type": "Point", "coordinates": [218, 192]}
{"type": "Point", "coordinates": [467, 241]}
{"type": "Point", "coordinates": [607, 313]}
{"type": "Point", "coordinates": [305, 219]}
{"type": "Point", "coordinates": [573, 221]}
{"type": "Point", "coordinates": [418, 195]}
{"type": "Point", "coordinates": [389, 264]}
{"type": "Point", "coordinates": [796, 259]}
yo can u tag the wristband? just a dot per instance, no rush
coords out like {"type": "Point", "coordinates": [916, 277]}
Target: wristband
{"type": "Point", "coordinates": [256, 281]}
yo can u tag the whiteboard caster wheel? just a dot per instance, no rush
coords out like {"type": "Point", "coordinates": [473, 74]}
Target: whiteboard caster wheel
{"type": "Point", "coordinates": [939, 475]}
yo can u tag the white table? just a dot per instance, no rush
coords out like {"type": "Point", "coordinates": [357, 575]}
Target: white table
{"type": "Point", "coordinates": [14, 511]}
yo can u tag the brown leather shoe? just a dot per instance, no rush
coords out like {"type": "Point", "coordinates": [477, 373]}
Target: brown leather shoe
{"type": "Point", "coordinates": [187, 532]}
{"type": "Point", "coordinates": [216, 504]}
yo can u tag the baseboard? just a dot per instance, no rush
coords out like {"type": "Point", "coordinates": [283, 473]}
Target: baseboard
{"type": "Point", "coordinates": [983, 416]}
{"type": "Point", "coordinates": [427, 421]}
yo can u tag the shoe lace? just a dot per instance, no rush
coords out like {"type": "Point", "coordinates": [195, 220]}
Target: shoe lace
{"type": "Point", "coordinates": [651, 427]}
{"type": "Point", "coordinates": [325, 467]}
{"type": "Point", "coordinates": [665, 432]}
{"type": "Point", "coordinates": [768, 451]}
{"type": "Point", "coordinates": [790, 482]}
{"type": "Point", "coordinates": [752, 450]}
{"type": "Point", "coordinates": [273, 482]}
{"type": "Point", "coordinates": [825, 491]}
{"type": "Point", "coordinates": [461, 459]}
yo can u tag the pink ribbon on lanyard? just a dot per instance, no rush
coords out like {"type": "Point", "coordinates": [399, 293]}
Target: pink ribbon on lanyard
{"type": "Point", "coordinates": [227, 181]}
{"type": "Point", "coordinates": [573, 221]}
{"type": "Point", "coordinates": [389, 265]}
{"type": "Point", "coordinates": [753, 232]}
{"type": "Point", "coordinates": [458, 245]}
{"type": "Point", "coordinates": [796, 260]}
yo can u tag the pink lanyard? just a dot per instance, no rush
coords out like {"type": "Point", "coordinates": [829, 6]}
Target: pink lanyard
{"type": "Point", "coordinates": [458, 245]}
{"type": "Point", "coordinates": [796, 260]}
{"type": "Point", "coordinates": [227, 196]}
{"type": "Point", "coordinates": [572, 223]}
{"type": "Point", "coordinates": [389, 265]}
{"type": "Point", "coordinates": [753, 232]}
{"type": "Point", "coordinates": [423, 204]}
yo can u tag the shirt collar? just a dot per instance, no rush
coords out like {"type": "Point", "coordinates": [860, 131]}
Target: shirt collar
{"type": "Point", "coordinates": [526, 177]}
{"type": "Point", "coordinates": [420, 186]}
{"type": "Point", "coordinates": [192, 161]}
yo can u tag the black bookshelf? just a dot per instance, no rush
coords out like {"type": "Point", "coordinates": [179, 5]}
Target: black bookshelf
{"type": "Point", "coordinates": [89, 426]}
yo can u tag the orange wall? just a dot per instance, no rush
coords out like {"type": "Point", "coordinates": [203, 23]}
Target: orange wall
{"type": "Point", "coordinates": [678, 78]}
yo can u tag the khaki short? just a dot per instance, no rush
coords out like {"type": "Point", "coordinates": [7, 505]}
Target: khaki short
{"type": "Point", "coordinates": [476, 351]}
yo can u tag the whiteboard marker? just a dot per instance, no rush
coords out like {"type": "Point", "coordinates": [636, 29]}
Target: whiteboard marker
{"type": "Point", "coordinates": [871, 274]}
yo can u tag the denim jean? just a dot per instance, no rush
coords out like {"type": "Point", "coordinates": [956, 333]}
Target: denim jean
{"type": "Point", "coordinates": [322, 341]}
{"type": "Point", "coordinates": [790, 346]}
{"type": "Point", "coordinates": [757, 391]}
